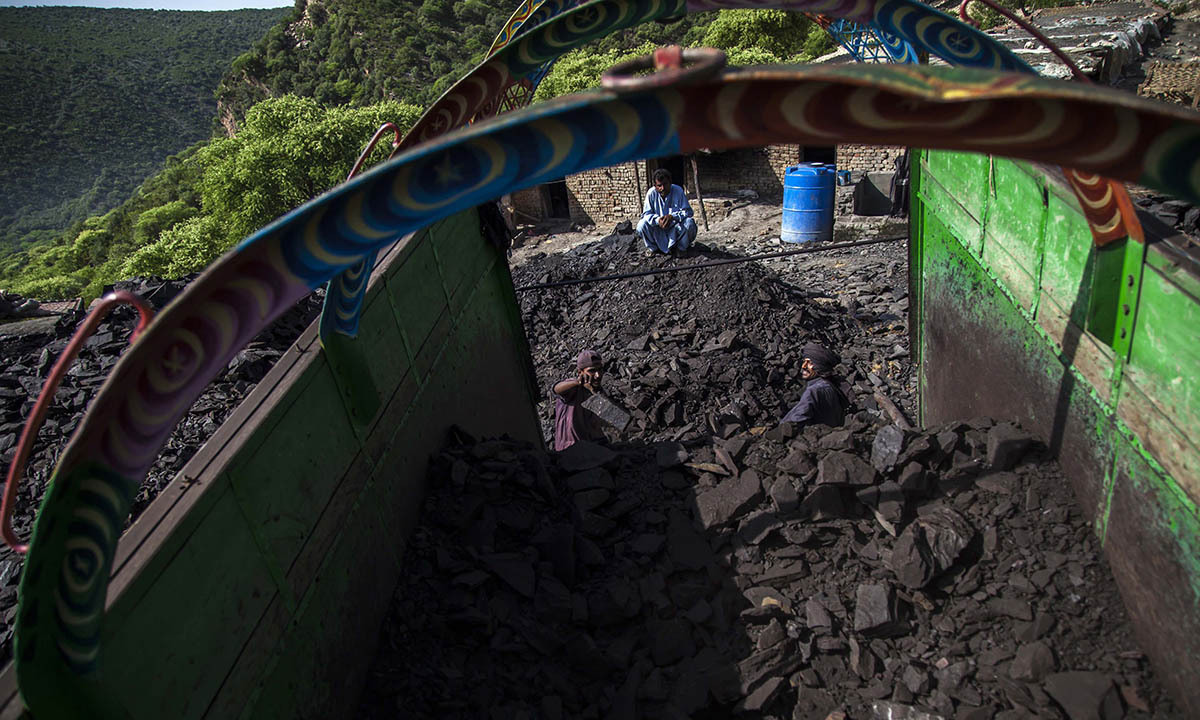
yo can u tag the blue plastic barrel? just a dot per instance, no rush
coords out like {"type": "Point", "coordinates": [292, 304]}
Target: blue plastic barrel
{"type": "Point", "coordinates": [808, 202]}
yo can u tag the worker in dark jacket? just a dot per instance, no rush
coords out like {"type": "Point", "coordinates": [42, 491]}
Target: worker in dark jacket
{"type": "Point", "coordinates": [822, 403]}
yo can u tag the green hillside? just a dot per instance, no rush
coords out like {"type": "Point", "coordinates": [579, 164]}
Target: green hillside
{"type": "Point", "coordinates": [94, 100]}
{"type": "Point", "coordinates": [298, 106]}
{"type": "Point", "coordinates": [360, 52]}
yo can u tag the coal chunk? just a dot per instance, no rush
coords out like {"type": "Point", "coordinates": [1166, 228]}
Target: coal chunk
{"type": "Point", "coordinates": [842, 468]}
{"type": "Point", "coordinates": [1033, 662]}
{"type": "Point", "coordinates": [875, 609]}
{"type": "Point", "coordinates": [608, 411]}
{"type": "Point", "coordinates": [1006, 445]}
{"type": "Point", "coordinates": [886, 448]}
{"type": "Point", "coordinates": [728, 500]}
{"type": "Point", "coordinates": [1086, 695]}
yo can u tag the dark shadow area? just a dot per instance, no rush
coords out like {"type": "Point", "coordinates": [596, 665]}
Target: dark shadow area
{"type": "Point", "coordinates": [871, 194]}
{"type": "Point", "coordinates": [558, 199]}
{"type": "Point", "coordinates": [763, 573]}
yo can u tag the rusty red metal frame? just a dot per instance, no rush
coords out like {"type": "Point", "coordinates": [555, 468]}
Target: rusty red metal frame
{"type": "Point", "coordinates": [371, 146]}
{"type": "Point", "coordinates": [38, 414]}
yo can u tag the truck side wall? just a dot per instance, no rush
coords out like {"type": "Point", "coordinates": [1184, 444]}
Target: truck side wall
{"type": "Point", "coordinates": [1003, 269]}
{"type": "Point", "coordinates": [256, 584]}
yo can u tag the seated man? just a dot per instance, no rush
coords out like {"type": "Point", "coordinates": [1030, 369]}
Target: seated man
{"type": "Point", "coordinates": [572, 422]}
{"type": "Point", "coordinates": [822, 403]}
{"type": "Point", "coordinates": [666, 222]}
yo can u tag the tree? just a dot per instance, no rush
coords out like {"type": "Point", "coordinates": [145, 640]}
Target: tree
{"type": "Point", "coordinates": [290, 150]}
{"type": "Point", "coordinates": [778, 32]}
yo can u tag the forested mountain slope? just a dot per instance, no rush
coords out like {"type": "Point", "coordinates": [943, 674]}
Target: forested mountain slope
{"type": "Point", "coordinates": [297, 107]}
{"type": "Point", "coordinates": [364, 51]}
{"type": "Point", "coordinates": [94, 100]}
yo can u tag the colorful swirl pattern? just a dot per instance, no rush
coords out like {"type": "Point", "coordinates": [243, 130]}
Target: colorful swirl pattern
{"type": "Point", "coordinates": [344, 298]}
{"type": "Point", "coordinates": [530, 14]}
{"type": "Point", "coordinates": [897, 49]}
{"type": "Point", "coordinates": [1097, 130]}
{"type": "Point", "coordinates": [1106, 206]}
{"type": "Point", "coordinates": [526, 48]}
{"type": "Point", "coordinates": [907, 20]}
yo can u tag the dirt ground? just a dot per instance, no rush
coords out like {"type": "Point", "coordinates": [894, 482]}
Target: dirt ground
{"type": "Point", "coordinates": [741, 227]}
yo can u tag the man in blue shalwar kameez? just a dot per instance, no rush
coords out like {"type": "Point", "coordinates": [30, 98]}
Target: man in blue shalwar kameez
{"type": "Point", "coordinates": [666, 223]}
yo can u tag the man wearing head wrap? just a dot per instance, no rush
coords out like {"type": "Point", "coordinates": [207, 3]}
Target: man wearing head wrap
{"type": "Point", "coordinates": [822, 402]}
{"type": "Point", "coordinates": [572, 421]}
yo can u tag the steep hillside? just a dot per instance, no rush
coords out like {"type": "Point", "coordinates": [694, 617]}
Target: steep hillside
{"type": "Point", "coordinates": [364, 51]}
{"type": "Point", "coordinates": [94, 100]}
{"type": "Point", "coordinates": [303, 101]}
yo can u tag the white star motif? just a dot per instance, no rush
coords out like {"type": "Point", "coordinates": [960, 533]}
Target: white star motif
{"type": "Point", "coordinates": [447, 172]}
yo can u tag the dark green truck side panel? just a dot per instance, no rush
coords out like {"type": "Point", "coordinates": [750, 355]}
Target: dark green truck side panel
{"type": "Point", "coordinates": [1017, 315]}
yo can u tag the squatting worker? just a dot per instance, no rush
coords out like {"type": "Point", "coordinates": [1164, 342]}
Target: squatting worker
{"type": "Point", "coordinates": [666, 223]}
{"type": "Point", "coordinates": [823, 402]}
{"type": "Point", "coordinates": [572, 421]}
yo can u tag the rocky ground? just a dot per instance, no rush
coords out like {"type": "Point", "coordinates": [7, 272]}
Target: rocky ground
{"type": "Point", "coordinates": [857, 573]}
{"type": "Point", "coordinates": [709, 562]}
{"type": "Point", "coordinates": [28, 355]}
{"type": "Point", "coordinates": [685, 349]}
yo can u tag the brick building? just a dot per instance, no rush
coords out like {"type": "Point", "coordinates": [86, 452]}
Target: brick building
{"type": "Point", "coordinates": [608, 195]}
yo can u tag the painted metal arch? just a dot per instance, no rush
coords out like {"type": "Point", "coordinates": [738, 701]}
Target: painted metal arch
{"type": "Point", "coordinates": [60, 666]}
{"type": "Point", "coordinates": [539, 33]}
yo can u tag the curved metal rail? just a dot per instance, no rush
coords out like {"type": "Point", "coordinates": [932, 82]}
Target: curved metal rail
{"type": "Point", "coordinates": [59, 664]}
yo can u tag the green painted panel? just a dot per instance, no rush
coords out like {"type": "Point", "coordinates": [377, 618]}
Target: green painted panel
{"type": "Point", "coordinates": [1017, 213]}
{"type": "Point", "coordinates": [417, 294]}
{"type": "Point", "coordinates": [380, 337]}
{"type": "Point", "coordinates": [1165, 353]}
{"type": "Point", "coordinates": [152, 567]}
{"type": "Point", "coordinates": [284, 491]}
{"type": "Point", "coordinates": [322, 664]}
{"type": "Point", "coordinates": [966, 176]}
{"type": "Point", "coordinates": [258, 652]}
{"type": "Point", "coordinates": [367, 367]}
{"type": "Point", "coordinates": [943, 202]}
{"type": "Point", "coordinates": [1134, 467]}
{"type": "Point", "coordinates": [1016, 280]}
{"type": "Point", "coordinates": [1066, 270]}
{"type": "Point", "coordinates": [427, 353]}
{"type": "Point", "coordinates": [1172, 269]}
{"type": "Point", "coordinates": [463, 256]}
{"type": "Point", "coordinates": [396, 494]}
{"type": "Point", "coordinates": [200, 612]}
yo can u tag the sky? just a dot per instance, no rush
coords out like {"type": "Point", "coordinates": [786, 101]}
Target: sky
{"type": "Point", "coordinates": [155, 4]}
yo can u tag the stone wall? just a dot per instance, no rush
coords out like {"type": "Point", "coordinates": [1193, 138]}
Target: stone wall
{"type": "Point", "coordinates": [529, 204]}
{"type": "Point", "coordinates": [867, 158]}
{"type": "Point", "coordinates": [611, 194]}
{"type": "Point", "coordinates": [759, 169]}
{"type": "Point", "coordinates": [607, 195]}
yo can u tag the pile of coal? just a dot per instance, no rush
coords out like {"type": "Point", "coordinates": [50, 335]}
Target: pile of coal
{"type": "Point", "coordinates": [690, 353]}
{"type": "Point", "coordinates": [1178, 214]}
{"type": "Point", "coordinates": [858, 572]}
{"type": "Point", "coordinates": [29, 358]}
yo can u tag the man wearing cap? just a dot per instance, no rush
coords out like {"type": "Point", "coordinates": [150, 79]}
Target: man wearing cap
{"type": "Point", "coordinates": [666, 223]}
{"type": "Point", "coordinates": [572, 421]}
{"type": "Point", "coordinates": [822, 402]}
